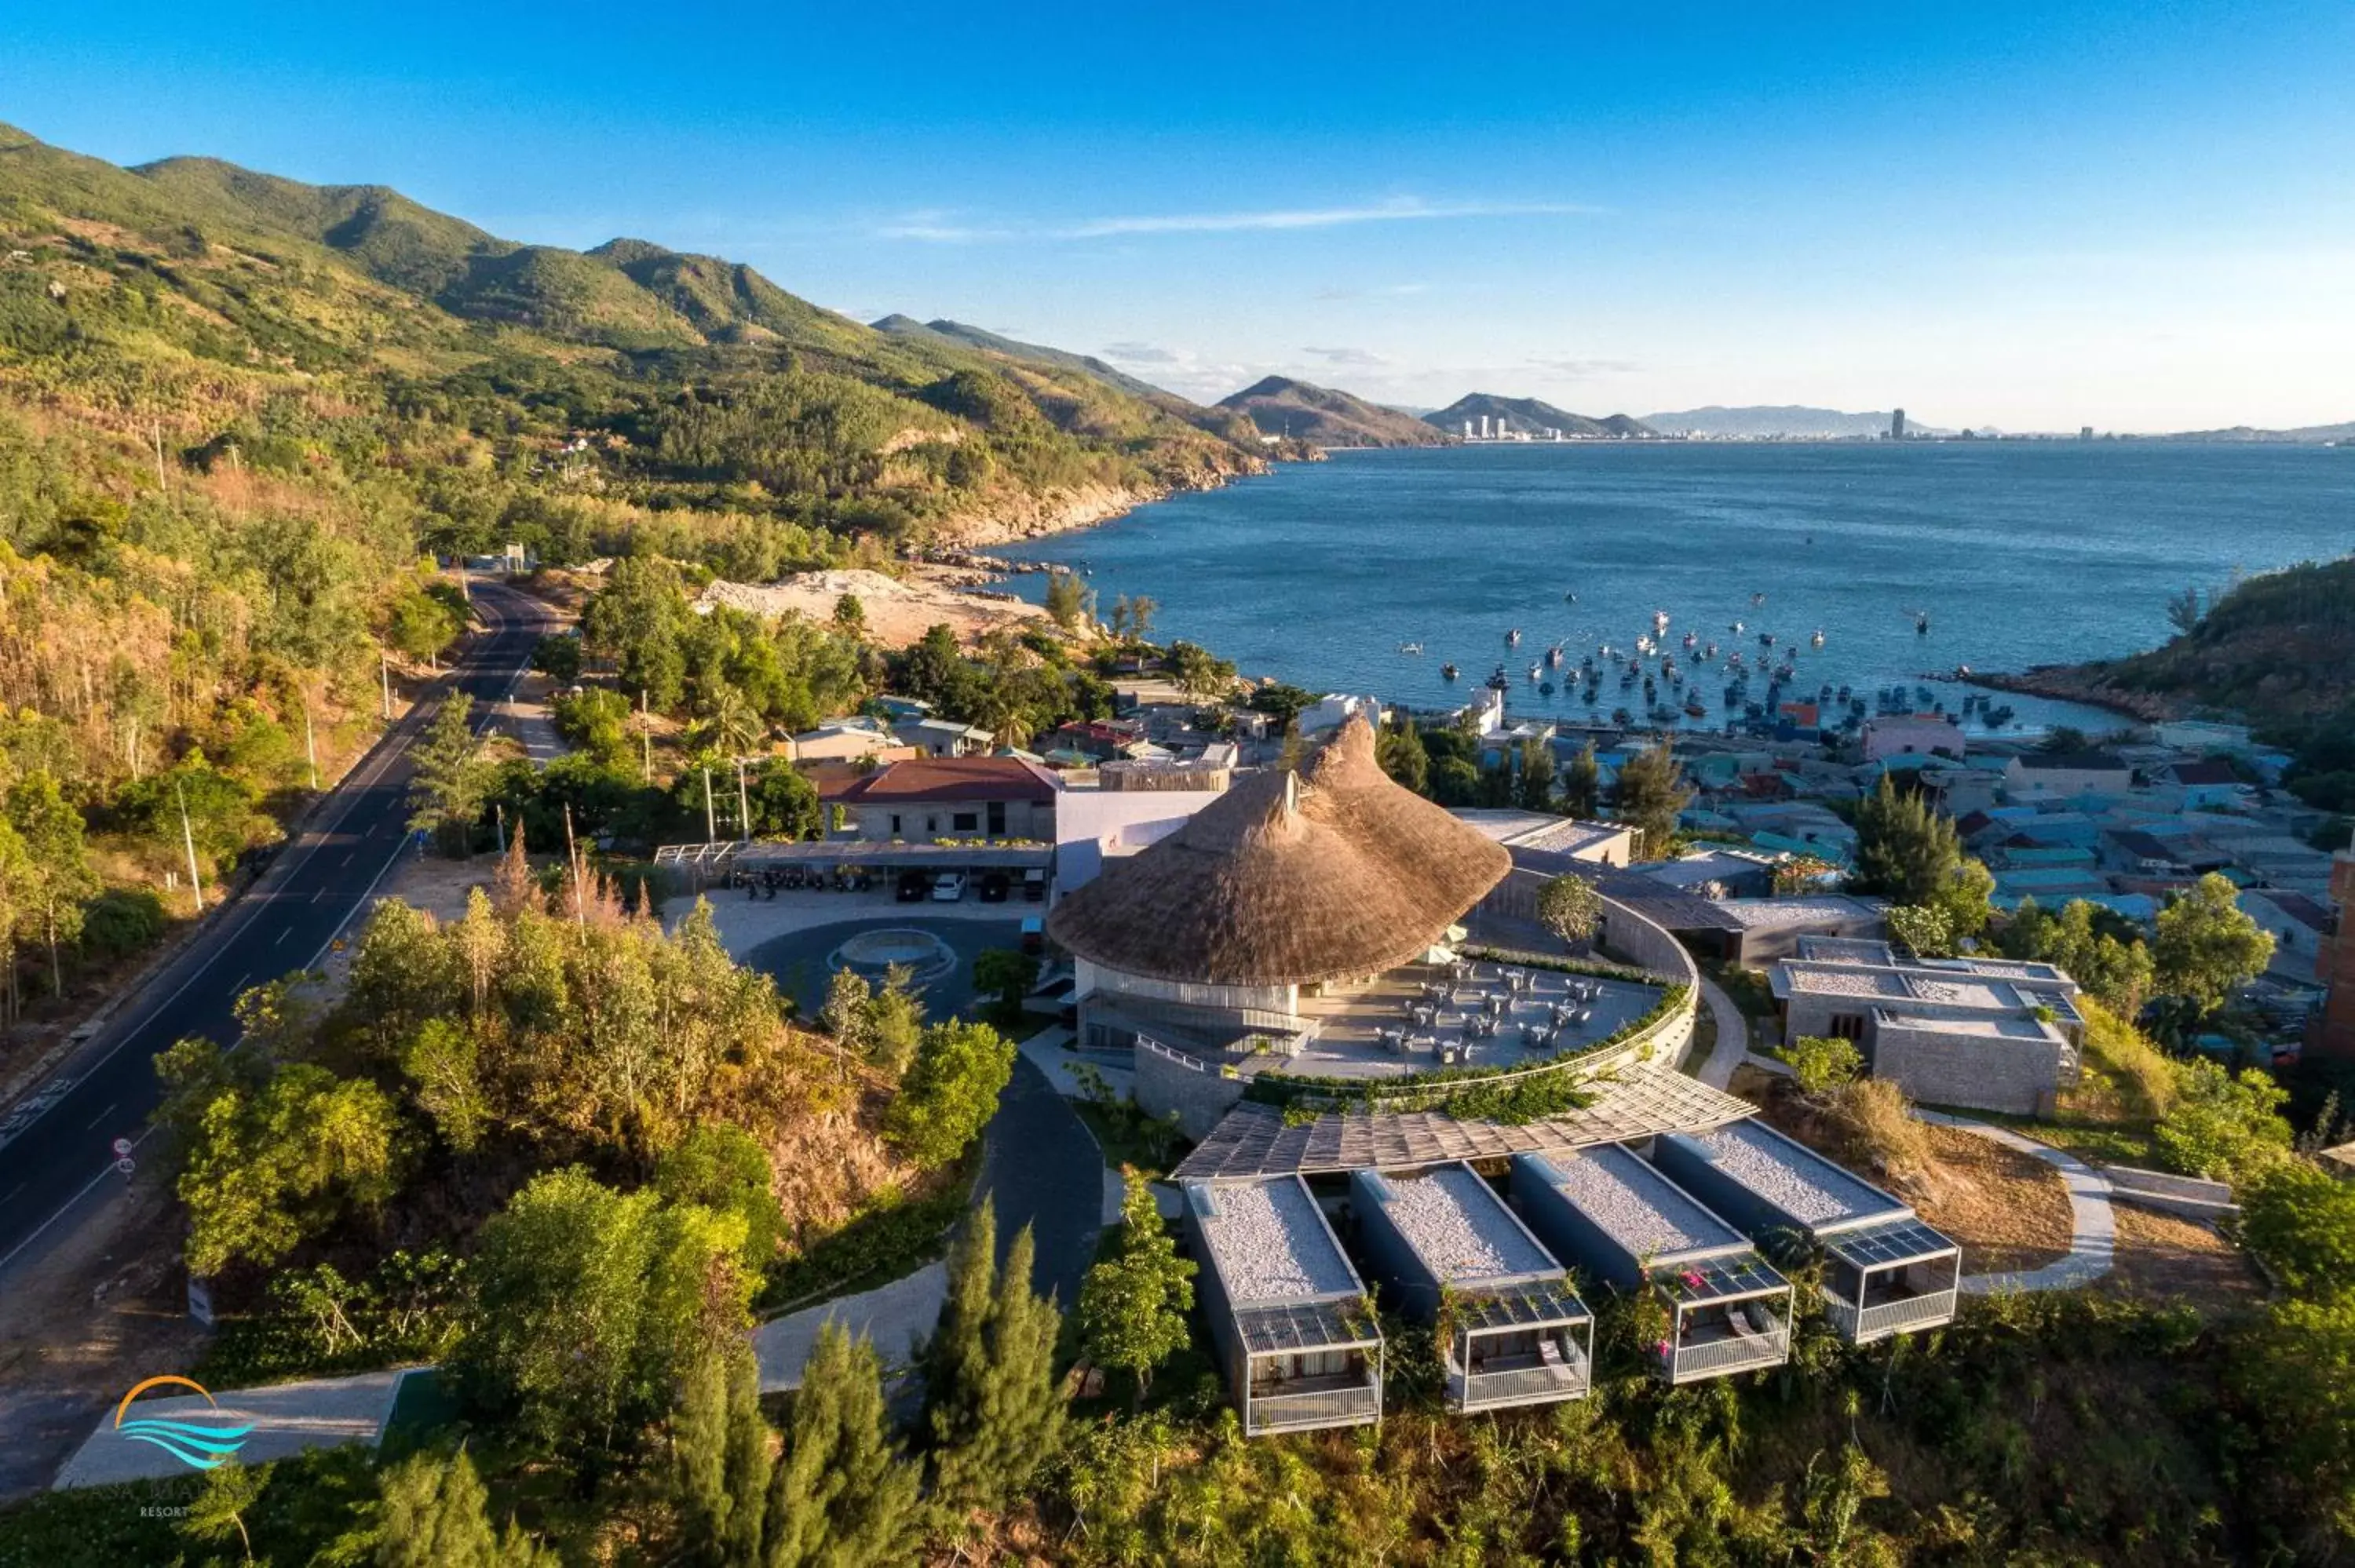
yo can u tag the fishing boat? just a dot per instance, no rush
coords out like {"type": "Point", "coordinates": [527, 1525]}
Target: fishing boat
{"type": "Point", "coordinates": [1569, 598]}
{"type": "Point", "coordinates": [1818, 639]}
{"type": "Point", "coordinates": [1691, 638]}
{"type": "Point", "coordinates": [1409, 647]}
{"type": "Point", "coordinates": [1447, 671]}
{"type": "Point", "coordinates": [1545, 688]}
{"type": "Point", "coordinates": [1757, 599]}
{"type": "Point", "coordinates": [1513, 638]}
{"type": "Point", "coordinates": [1734, 627]}
{"type": "Point", "coordinates": [1553, 656]}
{"type": "Point", "coordinates": [1708, 653]}
{"type": "Point", "coordinates": [1922, 624]}
{"type": "Point", "coordinates": [1498, 680]}
{"type": "Point", "coordinates": [1536, 671]}
{"type": "Point", "coordinates": [1693, 709]}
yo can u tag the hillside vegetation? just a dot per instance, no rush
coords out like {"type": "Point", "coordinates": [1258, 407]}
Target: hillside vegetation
{"type": "Point", "coordinates": [237, 411]}
{"type": "Point", "coordinates": [1530, 415]}
{"type": "Point", "coordinates": [2277, 648]}
{"type": "Point", "coordinates": [1327, 417]}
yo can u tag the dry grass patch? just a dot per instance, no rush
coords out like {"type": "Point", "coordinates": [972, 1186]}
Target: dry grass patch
{"type": "Point", "coordinates": [2163, 1257]}
{"type": "Point", "coordinates": [2009, 1210]}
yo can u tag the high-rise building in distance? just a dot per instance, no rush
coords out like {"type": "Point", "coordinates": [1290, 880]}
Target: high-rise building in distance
{"type": "Point", "coordinates": [1897, 424]}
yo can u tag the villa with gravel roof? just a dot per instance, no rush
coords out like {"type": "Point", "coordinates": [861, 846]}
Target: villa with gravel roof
{"type": "Point", "coordinates": [1986, 1033]}
{"type": "Point", "coordinates": [1450, 1252]}
{"type": "Point", "coordinates": [1885, 1272]}
{"type": "Point", "coordinates": [1296, 1335]}
{"type": "Point", "coordinates": [1607, 1211]}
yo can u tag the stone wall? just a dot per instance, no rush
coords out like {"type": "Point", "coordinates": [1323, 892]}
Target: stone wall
{"type": "Point", "coordinates": [1976, 1072]}
{"type": "Point", "coordinates": [1167, 1082]}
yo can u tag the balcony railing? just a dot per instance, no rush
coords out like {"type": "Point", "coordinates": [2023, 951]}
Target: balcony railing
{"type": "Point", "coordinates": [1320, 1407]}
{"type": "Point", "coordinates": [1740, 1352]}
{"type": "Point", "coordinates": [1525, 1386]}
{"type": "Point", "coordinates": [1863, 1325]}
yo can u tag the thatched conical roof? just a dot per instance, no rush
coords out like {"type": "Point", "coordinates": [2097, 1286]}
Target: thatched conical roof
{"type": "Point", "coordinates": [1287, 879]}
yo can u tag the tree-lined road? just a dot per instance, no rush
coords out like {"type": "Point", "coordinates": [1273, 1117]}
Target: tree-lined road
{"type": "Point", "coordinates": [287, 921]}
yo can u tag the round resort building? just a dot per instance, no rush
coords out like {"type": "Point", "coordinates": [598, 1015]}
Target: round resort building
{"type": "Point", "coordinates": [1275, 913]}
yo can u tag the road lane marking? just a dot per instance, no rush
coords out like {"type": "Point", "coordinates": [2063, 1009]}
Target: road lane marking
{"type": "Point", "coordinates": [237, 986]}
{"type": "Point", "coordinates": [103, 1115]}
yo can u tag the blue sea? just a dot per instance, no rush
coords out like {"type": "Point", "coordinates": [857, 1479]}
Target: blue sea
{"type": "Point", "coordinates": [2018, 553]}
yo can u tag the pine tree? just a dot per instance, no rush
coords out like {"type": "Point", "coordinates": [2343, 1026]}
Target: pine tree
{"type": "Point", "coordinates": [1402, 757]}
{"type": "Point", "coordinates": [996, 1414]}
{"type": "Point", "coordinates": [1582, 784]}
{"type": "Point", "coordinates": [1650, 796]}
{"type": "Point", "coordinates": [1905, 850]}
{"type": "Point", "coordinates": [1533, 789]}
{"type": "Point", "coordinates": [1132, 1304]}
{"type": "Point", "coordinates": [842, 1495]}
{"type": "Point", "coordinates": [434, 1514]}
{"type": "Point", "coordinates": [721, 1465]}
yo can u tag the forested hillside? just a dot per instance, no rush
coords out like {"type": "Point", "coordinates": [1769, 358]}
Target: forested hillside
{"type": "Point", "coordinates": [238, 411]}
{"type": "Point", "coordinates": [2277, 648]}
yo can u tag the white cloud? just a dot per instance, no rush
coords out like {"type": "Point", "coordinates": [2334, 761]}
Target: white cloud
{"type": "Point", "coordinates": [1358, 356]}
{"type": "Point", "coordinates": [941, 229]}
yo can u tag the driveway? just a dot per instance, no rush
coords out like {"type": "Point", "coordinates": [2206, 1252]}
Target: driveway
{"type": "Point", "coordinates": [796, 958]}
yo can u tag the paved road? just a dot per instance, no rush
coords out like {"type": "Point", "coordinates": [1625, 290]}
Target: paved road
{"type": "Point", "coordinates": [317, 883]}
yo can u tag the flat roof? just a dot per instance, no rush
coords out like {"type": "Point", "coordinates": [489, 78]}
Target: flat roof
{"type": "Point", "coordinates": [1269, 1244]}
{"type": "Point", "coordinates": [1458, 1226]}
{"type": "Point", "coordinates": [1643, 1211]}
{"type": "Point", "coordinates": [2024, 1027]}
{"type": "Point", "coordinates": [1802, 1183]}
{"type": "Point", "coordinates": [1765, 914]}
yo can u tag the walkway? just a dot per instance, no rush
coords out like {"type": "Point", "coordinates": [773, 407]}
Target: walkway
{"type": "Point", "coordinates": [2093, 1242]}
{"type": "Point", "coordinates": [1732, 1036]}
{"type": "Point", "coordinates": [1043, 1170]}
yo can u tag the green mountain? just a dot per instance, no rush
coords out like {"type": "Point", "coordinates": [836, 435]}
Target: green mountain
{"type": "Point", "coordinates": [1530, 417]}
{"type": "Point", "coordinates": [678, 367]}
{"type": "Point", "coordinates": [1326, 417]}
{"type": "Point", "coordinates": [962, 336]}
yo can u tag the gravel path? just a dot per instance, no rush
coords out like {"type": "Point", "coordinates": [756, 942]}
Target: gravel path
{"type": "Point", "coordinates": [1271, 1245]}
{"type": "Point", "coordinates": [2094, 1243]}
{"type": "Point", "coordinates": [1463, 1233]}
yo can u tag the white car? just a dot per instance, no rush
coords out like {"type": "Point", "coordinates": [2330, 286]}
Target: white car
{"type": "Point", "coordinates": [948, 887]}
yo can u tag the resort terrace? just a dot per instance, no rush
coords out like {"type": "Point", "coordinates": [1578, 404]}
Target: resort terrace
{"type": "Point", "coordinates": [1458, 1012]}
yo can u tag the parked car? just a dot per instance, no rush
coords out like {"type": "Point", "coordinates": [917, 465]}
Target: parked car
{"type": "Point", "coordinates": [1034, 934]}
{"type": "Point", "coordinates": [994, 887]}
{"type": "Point", "coordinates": [948, 887]}
{"type": "Point", "coordinates": [913, 887]}
{"type": "Point", "coordinates": [1033, 885]}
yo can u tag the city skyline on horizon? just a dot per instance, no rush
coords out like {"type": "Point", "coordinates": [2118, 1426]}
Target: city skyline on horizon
{"type": "Point", "coordinates": [2032, 219]}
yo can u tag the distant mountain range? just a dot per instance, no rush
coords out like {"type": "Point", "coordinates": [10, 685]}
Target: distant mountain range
{"type": "Point", "coordinates": [2345, 432]}
{"type": "Point", "coordinates": [1764, 421]}
{"type": "Point", "coordinates": [1326, 417]}
{"type": "Point", "coordinates": [1530, 417]}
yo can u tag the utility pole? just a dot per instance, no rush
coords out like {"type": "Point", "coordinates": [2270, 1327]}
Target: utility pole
{"type": "Point", "coordinates": [384, 673]}
{"type": "Point", "coordinates": [310, 743]}
{"type": "Point", "coordinates": [743, 806]}
{"type": "Point", "coordinates": [189, 842]}
{"type": "Point", "coordinates": [500, 816]}
{"type": "Point", "coordinates": [646, 734]}
{"type": "Point", "coordinates": [155, 428]}
{"type": "Point", "coordinates": [710, 823]}
{"type": "Point", "coordinates": [573, 856]}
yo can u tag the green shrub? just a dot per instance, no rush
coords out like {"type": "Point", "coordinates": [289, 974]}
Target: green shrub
{"type": "Point", "coordinates": [1822, 1064]}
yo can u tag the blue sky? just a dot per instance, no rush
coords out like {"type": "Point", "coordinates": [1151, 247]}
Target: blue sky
{"type": "Point", "coordinates": [2037, 216]}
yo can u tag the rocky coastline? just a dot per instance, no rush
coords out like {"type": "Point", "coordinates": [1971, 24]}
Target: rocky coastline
{"type": "Point", "coordinates": [2080, 684]}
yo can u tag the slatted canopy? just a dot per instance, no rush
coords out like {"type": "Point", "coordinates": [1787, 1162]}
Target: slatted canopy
{"type": "Point", "coordinates": [1296, 1329]}
{"type": "Point", "coordinates": [1880, 1246]}
{"type": "Point", "coordinates": [1540, 1306]}
{"type": "Point", "coordinates": [1713, 1279]}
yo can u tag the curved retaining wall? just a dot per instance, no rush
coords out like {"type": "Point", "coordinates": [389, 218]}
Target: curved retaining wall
{"type": "Point", "coordinates": [1168, 1080]}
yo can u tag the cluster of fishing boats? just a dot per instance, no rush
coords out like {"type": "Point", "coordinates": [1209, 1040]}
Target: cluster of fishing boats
{"type": "Point", "coordinates": [1745, 676]}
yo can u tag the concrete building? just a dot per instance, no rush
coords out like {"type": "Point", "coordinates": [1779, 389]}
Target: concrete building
{"type": "Point", "coordinates": [1606, 1211]}
{"type": "Point", "coordinates": [2039, 776]}
{"type": "Point", "coordinates": [941, 737]}
{"type": "Point", "coordinates": [1335, 709]}
{"type": "Point", "coordinates": [928, 798]}
{"type": "Point", "coordinates": [1517, 1333]}
{"type": "Point", "coordinates": [847, 740]}
{"type": "Point", "coordinates": [1911, 735]}
{"type": "Point", "coordinates": [1285, 1309]}
{"type": "Point", "coordinates": [1989, 1033]}
{"type": "Point", "coordinates": [1540, 841]}
{"type": "Point", "coordinates": [1884, 1272]}
{"type": "Point", "coordinates": [1114, 821]}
